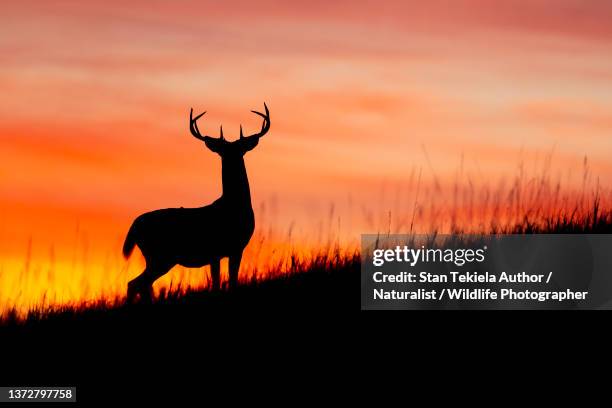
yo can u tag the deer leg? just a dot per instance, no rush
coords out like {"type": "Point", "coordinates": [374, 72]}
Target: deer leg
{"type": "Point", "coordinates": [137, 285]}
{"type": "Point", "coordinates": [234, 267]}
{"type": "Point", "coordinates": [143, 284]}
{"type": "Point", "coordinates": [131, 290]}
{"type": "Point", "coordinates": [215, 274]}
{"type": "Point", "coordinates": [146, 292]}
{"type": "Point", "coordinates": [155, 271]}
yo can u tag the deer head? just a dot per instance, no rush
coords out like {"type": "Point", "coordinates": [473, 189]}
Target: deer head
{"type": "Point", "coordinates": [236, 148]}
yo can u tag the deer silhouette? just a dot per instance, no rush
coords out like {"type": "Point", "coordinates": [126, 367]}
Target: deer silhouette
{"type": "Point", "coordinates": [194, 237]}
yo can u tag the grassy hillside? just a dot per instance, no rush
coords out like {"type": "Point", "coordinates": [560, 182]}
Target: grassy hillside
{"type": "Point", "coordinates": [329, 283]}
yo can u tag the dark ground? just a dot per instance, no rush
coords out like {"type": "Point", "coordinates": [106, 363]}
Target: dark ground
{"type": "Point", "coordinates": [301, 338]}
{"type": "Point", "coordinates": [227, 335]}
{"type": "Point", "coordinates": [304, 334]}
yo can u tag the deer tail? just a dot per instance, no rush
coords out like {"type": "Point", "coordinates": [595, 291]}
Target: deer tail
{"type": "Point", "coordinates": [130, 241]}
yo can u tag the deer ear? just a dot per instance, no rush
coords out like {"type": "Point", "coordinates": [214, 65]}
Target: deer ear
{"type": "Point", "coordinates": [215, 145]}
{"type": "Point", "coordinates": [248, 143]}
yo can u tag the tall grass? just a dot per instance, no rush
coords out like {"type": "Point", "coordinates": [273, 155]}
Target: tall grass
{"type": "Point", "coordinates": [526, 203]}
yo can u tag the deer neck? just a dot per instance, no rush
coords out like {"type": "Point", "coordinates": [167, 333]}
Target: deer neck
{"type": "Point", "coordinates": [235, 182]}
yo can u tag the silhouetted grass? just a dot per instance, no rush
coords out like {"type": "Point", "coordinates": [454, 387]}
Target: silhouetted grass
{"type": "Point", "coordinates": [278, 255]}
{"type": "Point", "coordinates": [596, 221]}
{"type": "Point", "coordinates": [328, 280]}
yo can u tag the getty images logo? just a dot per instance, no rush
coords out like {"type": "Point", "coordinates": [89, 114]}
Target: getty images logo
{"type": "Point", "coordinates": [412, 256]}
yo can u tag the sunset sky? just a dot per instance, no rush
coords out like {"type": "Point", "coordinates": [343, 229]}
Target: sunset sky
{"type": "Point", "coordinates": [95, 98]}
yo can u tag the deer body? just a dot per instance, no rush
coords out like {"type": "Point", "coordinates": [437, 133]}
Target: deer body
{"type": "Point", "coordinates": [195, 237]}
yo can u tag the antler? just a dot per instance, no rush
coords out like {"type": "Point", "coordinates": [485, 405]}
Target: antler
{"type": "Point", "coordinates": [265, 126]}
{"type": "Point", "coordinates": [193, 126]}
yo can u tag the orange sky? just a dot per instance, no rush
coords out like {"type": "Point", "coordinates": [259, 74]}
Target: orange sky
{"type": "Point", "coordinates": [95, 96]}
